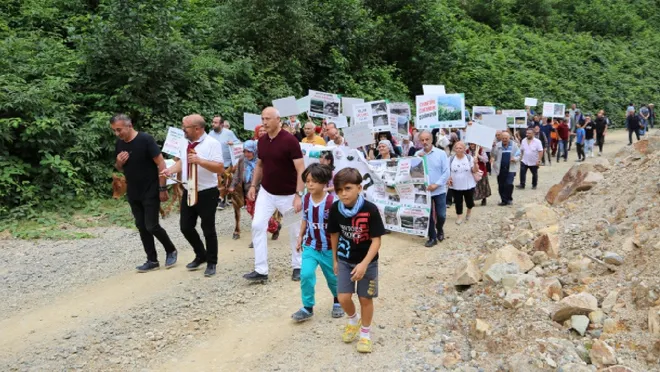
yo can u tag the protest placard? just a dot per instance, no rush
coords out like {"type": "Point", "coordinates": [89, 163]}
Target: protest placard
{"type": "Point", "coordinates": [347, 105]}
{"type": "Point", "coordinates": [478, 111]}
{"type": "Point", "coordinates": [399, 119]}
{"type": "Point", "coordinates": [531, 102]}
{"type": "Point", "coordinates": [515, 118]}
{"type": "Point", "coordinates": [303, 104]}
{"type": "Point", "coordinates": [442, 111]}
{"type": "Point", "coordinates": [433, 90]}
{"type": "Point", "coordinates": [173, 142]}
{"type": "Point", "coordinates": [324, 105]}
{"type": "Point", "coordinates": [480, 135]}
{"type": "Point", "coordinates": [553, 110]}
{"type": "Point", "coordinates": [287, 106]}
{"type": "Point", "coordinates": [358, 135]}
{"type": "Point", "coordinates": [373, 114]}
{"type": "Point", "coordinates": [236, 152]}
{"type": "Point", "coordinates": [250, 121]}
{"type": "Point", "coordinates": [340, 121]}
{"type": "Point", "coordinates": [497, 122]}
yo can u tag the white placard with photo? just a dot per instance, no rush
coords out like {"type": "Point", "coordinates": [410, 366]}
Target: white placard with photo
{"type": "Point", "coordinates": [173, 142]}
{"type": "Point", "coordinates": [553, 110]}
{"type": "Point", "coordinates": [324, 105]}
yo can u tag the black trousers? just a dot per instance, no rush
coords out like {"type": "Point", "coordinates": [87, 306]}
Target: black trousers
{"type": "Point", "coordinates": [459, 195]}
{"type": "Point", "coordinates": [523, 174]}
{"type": "Point", "coordinates": [580, 150]}
{"type": "Point", "coordinates": [505, 186]}
{"type": "Point", "coordinates": [207, 201]}
{"type": "Point", "coordinates": [600, 140]}
{"type": "Point", "coordinates": [630, 133]}
{"type": "Point", "coordinates": [146, 217]}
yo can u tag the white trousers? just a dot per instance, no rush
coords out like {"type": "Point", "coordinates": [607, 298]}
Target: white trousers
{"type": "Point", "coordinates": [264, 208]}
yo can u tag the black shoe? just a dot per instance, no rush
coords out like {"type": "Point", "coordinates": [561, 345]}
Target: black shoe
{"type": "Point", "coordinates": [483, 201]}
{"type": "Point", "coordinates": [441, 237]}
{"type": "Point", "coordinates": [251, 245]}
{"type": "Point", "coordinates": [255, 277]}
{"type": "Point", "coordinates": [148, 266]}
{"type": "Point", "coordinates": [509, 203]}
{"type": "Point", "coordinates": [210, 270]}
{"type": "Point", "coordinates": [171, 259]}
{"type": "Point", "coordinates": [430, 243]}
{"type": "Point", "coordinates": [521, 187]}
{"type": "Point", "coordinates": [501, 204]}
{"type": "Point", "coordinates": [533, 187]}
{"type": "Point", "coordinates": [195, 264]}
{"type": "Point", "coordinates": [295, 276]}
{"type": "Point", "coordinates": [221, 205]}
{"type": "Point", "coordinates": [276, 234]}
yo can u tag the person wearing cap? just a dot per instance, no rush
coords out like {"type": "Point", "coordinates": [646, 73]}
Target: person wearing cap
{"type": "Point", "coordinates": [240, 185]}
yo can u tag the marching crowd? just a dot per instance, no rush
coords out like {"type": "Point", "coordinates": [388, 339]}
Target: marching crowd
{"type": "Point", "coordinates": [340, 230]}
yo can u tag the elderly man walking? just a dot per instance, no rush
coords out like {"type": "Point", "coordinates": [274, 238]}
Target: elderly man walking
{"type": "Point", "coordinates": [438, 168]}
{"type": "Point", "coordinates": [506, 158]}
{"type": "Point", "coordinates": [279, 171]}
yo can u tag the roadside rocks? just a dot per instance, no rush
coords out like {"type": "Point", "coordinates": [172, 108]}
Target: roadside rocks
{"type": "Point", "coordinates": [581, 177]}
{"type": "Point", "coordinates": [602, 354]}
{"type": "Point", "coordinates": [547, 243]}
{"type": "Point", "coordinates": [509, 254]}
{"type": "Point", "coordinates": [467, 274]}
{"type": "Point", "coordinates": [577, 304]}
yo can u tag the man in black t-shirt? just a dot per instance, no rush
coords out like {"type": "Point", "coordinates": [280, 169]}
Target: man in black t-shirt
{"type": "Point", "coordinates": [139, 157]}
{"type": "Point", "coordinates": [589, 140]}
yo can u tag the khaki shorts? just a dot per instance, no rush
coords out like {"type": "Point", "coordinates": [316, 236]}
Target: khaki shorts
{"type": "Point", "coordinates": [367, 287]}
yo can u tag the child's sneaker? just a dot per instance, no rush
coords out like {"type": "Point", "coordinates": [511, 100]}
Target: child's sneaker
{"type": "Point", "coordinates": [302, 315]}
{"type": "Point", "coordinates": [337, 311]}
{"type": "Point", "coordinates": [351, 332]}
{"type": "Point", "coordinates": [364, 345]}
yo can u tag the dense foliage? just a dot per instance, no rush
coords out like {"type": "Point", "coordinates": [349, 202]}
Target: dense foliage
{"type": "Point", "coordinates": [66, 66]}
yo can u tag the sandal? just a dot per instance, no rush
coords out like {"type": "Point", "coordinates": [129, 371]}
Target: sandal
{"type": "Point", "coordinates": [236, 235]}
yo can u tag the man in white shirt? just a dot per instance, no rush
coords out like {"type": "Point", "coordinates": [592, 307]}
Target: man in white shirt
{"type": "Point", "coordinates": [207, 156]}
{"type": "Point", "coordinates": [532, 153]}
{"type": "Point", "coordinates": [226, 138]}
{"type": "Point", "coordinates": [335, 139]}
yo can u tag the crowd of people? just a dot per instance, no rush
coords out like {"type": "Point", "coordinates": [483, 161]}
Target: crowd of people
{"type": "Point", "coordinates": [340, 230]}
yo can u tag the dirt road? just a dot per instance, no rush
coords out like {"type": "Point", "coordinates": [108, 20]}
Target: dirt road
{"type": "Point", "coordinates": [79, 304]}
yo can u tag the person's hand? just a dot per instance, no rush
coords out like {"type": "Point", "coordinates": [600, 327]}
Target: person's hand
{"type": "Point", "coordinates": [335, 267]}
{"type": "Point", "coordinates": [231, 189]}
{"type": "Point", "coordinates": [450, 182]}
{"type": "Point", "coordinates": [122, 157]}
{"type": "Point", "coordinates": [297, 203]}
{"type": "Point", "coordinates": [230, 143]}
{"type": "Point", "coordinates": [163, 196]}
{"type": "Point", "coordinates": [513, 160]}
{"type": "Point", "coordinates": [299, 244]}
{"type": "Point", "coordinates": [167, 173]}
{"type": "Point", "coordinates": [538, 163]}
{"type": "Point", "coordinates": [432, 187]}
{"type": "Point", "coordinates": [251, 193]}
{"type": "Point", "coordinates": [358, 272]}
{"type": "Point", "coordinates": [193, 159]}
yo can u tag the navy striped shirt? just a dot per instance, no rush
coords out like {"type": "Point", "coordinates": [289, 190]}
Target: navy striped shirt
{"type": "Point", "coordinates": [316, 217]}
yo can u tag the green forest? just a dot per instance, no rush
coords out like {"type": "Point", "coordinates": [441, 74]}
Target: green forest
{"type": "Point", "coordinates": [66, 66]}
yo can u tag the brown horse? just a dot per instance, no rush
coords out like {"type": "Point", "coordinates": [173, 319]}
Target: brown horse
{"type": "Point", "coordinates": [119, 190]}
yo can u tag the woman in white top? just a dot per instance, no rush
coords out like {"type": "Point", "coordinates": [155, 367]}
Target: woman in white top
{"type": "Point", "coordinates": [461, 180]}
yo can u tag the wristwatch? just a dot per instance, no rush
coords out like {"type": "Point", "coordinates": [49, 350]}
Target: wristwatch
{"type": "Point", "coordinates": [300, 193]}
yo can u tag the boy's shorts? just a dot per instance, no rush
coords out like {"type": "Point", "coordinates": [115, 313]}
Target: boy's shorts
{"type": "Point", "coordinates": [367, 287]}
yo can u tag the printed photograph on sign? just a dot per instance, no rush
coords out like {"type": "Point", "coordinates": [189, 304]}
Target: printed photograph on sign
{"type": "Point", "coordinates": [400, 119]}
{"type": "Point", "coordinates": [479, 111]}
{"type": "Point", "coordinates": [324, 105]}
{"type": "Point", "coordinates": [553, 110]}
{"type": "Point", "coordinates": [515, 118]}
{"type": "Point", "coordinates": [559, 109]}
{"type": "Point", "coordinates": [391, 215]}
{"type": "Point", "coordinates": [416, 168]}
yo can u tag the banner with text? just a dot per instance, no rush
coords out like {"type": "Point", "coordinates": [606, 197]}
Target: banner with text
{"type": "Point", "coordinates": [440, 111]}
{"type": "Point", "coordinates": [324, 105]}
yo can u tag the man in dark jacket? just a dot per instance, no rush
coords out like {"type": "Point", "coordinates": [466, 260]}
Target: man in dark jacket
{"type": "Point", "coordinates": [545, 142]}
{"type": "Point", "coordinates": [632, 124]}
{"type": "Point", "coordinates": [601, 123]}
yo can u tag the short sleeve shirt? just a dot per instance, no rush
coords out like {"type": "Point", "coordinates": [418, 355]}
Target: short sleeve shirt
{"type": "Point", "coordinates": [277, 155]}
{"type": "Point", "coordinates": [356, 233]}
{"type": "Point", "coordinates": [531, 151]}
{"type": "Point", "coordinates": [140, 170]}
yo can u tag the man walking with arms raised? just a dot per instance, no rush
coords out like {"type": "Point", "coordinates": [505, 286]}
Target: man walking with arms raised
{"type": "Point", "coordinates": [279, 170]}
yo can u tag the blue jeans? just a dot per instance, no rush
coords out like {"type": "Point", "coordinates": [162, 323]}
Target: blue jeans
{"type": "Point", "coordinates": [438, 215]}
{"type": "Point", "coordinates": [563, 149]}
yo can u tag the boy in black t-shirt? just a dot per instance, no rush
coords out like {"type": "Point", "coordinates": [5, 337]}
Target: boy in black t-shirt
{"type": "Point", "coordinates": [355, 228]}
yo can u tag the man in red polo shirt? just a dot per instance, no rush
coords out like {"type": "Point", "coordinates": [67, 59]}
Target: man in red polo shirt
{"type": "Point", "coordinates": [279, 171]}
